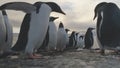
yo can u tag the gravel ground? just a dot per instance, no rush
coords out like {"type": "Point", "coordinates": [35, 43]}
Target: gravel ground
{"type": "Point", "coordinates": [67, 59]}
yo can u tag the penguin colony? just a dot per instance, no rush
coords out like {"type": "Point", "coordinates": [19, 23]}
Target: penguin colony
{"type": "Point", "coordinates": [39, 32]}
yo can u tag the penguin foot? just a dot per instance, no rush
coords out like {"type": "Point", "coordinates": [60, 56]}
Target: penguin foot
{"type": "Point", "coordinates": [38, 55]}
{"type": "Point", "coordinates": [34, 56]}
{"type": "Point", "coordinates": [102, 52]}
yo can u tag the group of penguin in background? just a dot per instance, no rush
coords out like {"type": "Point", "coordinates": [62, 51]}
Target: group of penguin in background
{"type": "Point", "coordinates": [38, 30]}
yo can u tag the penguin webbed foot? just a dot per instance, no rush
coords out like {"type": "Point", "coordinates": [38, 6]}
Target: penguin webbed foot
{"type": "Point", "coordinates": [34, 56]}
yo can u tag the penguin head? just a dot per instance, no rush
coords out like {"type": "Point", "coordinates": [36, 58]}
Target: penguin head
{"type": "Point", "coordinates": [67, 30]}
{"type": "Point", "coordinates": [61, 25]}
{"type": "Point", "coordinates": [99, 8]}
{"type": "Point", "coordinates": [73, 33]}
{"type": "Point", "coordinates": [77, 34]}
{"type": "Point", "coordinates": [81, 37]}
{"type": "Point", "coordinates": [53, 18]}
{"type": "Point", "coordinates": [90, 28]}
{"type": "Point", "coordinates": [55, 7]}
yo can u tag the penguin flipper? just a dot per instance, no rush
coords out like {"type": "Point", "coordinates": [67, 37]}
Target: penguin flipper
{"type": "Point", "coordinates": [22, 6]}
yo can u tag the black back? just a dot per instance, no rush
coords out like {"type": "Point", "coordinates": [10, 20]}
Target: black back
{"type": "Point", "coordinates": [23, 35]}
{"type": "Point", "coordinates": [89, 39]}
{"type": "Point", "coordinates": [109, 33]}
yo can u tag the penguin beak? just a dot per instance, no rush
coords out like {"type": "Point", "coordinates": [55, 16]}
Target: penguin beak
{"type": "Point", "coordinates": [95, 16]}
{"type": "Point", "coordinates": [56, 17]}
{"type": "Point", "coordinates": [22, 6]}
{"type": "Point", "coordinates": [55, 7]}
{"type": "Point", "coordinates": [93, 28]}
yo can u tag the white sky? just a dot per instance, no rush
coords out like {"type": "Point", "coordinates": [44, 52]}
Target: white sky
{"type": "Point", "coordinates": [79, 13]}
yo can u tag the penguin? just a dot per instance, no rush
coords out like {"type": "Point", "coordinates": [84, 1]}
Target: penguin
{"type": "Point", "coordinates": [81, 41]}
{"type": "Point", "coordinates": [40, 20]}
{"type": "Point", "coordinates": [67, 37]}
{"type": "Point", "coordinates": [61, 38]}
{"type": "Point", "coordinates": [33, 33]}
{"type": "Point", "coordinates": [78, 41]}
{"type": "Point", "coordinates": [3, 33]}
{"type": "Point", "coordinates": [71, 40]}
{"type": "Point", "coordinates": [52, 34]}
{"type": "Point", "coordinates": [6, 32]}
{"type": "Point", "coordinates": [108, 27]}
{"type": "Point", "coordinates": [89, 38]}
{"type": "Point", "coordinates": [50, 40]}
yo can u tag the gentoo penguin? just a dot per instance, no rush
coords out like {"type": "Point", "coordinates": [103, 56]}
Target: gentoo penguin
{"type": "Point", "coordinates": [9, 31]}
{"type": "Point", "coordinates": [108, 27]}
{"type": "Point", "coordinates": [71, 40]}
{"type": "Point", "coordinates": [7, 44]}
{"type": "Point", "coordinates": [6, 33]}
{"type": "Point", "coordinates": [61, 38]}
{"type": "Point", "coordinates": [3, 33]}
{"type": "Point", "coordinates": [67, 37]}
{"type": "Point", "coordinates": [89, 38]}
{"type": "Point", "coordinates": [52, 34]}
{"type": "Point", "coordinates": [37, 24]}
{"type": "Point", "coordinates": [81, 41]}
{"type": "Point", "coordinates": [50, 40]}
{"type": "Point", "coordinates": [76, 40]}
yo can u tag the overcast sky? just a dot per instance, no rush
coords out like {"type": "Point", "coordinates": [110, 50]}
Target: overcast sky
{"type": "Point", "coordinates": [79, 13]}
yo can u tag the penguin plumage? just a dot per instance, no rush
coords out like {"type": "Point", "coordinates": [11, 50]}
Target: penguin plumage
{"type": "Point", "coordinates": [89, 38]}
{"type": "Point", "coordinates": [108, 27]}
{"type": "Point", "coordinates": [37, 26]}
{"type": "Point", "coordinates": [61, 38]}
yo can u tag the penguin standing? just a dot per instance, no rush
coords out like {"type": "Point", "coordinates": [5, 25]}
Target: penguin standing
{"type": "Point", "coordinates": [52, 34]}
{"type": "Point", "coordinates": [71, 40]}
{"type": "Point", "coordinates": [61, 38]}
{"type": "Point", "coordinates": [2, 32]}
{"type": "Point", "coordinates": [37, 24]}
{"type": "Point", "coordinates": [89, 38]}
{"type": "Point", "coordinates": [108, 26]}
{"type": "Point", "coordinates": [9, 31]}
{"type": "Point", "coordinates": [76, 40]}
{"type": "Point", "coordinates": [6, 32]}
{"type": "Point", "coordinates": [67, 37]}
{"type": "Point", "coordinates": [81, 41]}
{"type": "Point", "coordinates": [50, 40]}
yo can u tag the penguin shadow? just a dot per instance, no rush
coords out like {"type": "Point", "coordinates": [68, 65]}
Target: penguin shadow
{"type": "Point", "coordinates": [51, 53]}
{"type": "Point", "coordinates": [8, 54]}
